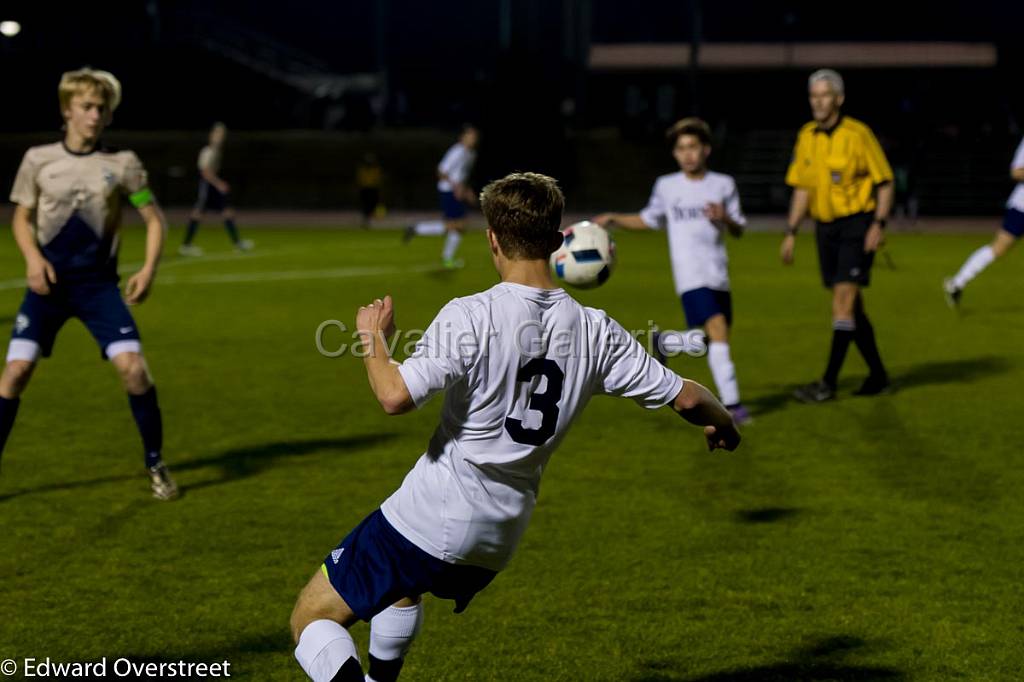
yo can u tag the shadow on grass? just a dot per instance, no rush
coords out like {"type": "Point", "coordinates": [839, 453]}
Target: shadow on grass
{"type": "Point", "coordinates": [278, 642]}
{"type": "Point", "coordinates": [243, 462]}
{"type": "Point", "coordinates": [951, 371]}
{"type": "Point", "coordinates": [766, 514]}
{"type": "Point", "coordinates": [234, 464]}
{"type": "Point", "coordinates": [817, 662]}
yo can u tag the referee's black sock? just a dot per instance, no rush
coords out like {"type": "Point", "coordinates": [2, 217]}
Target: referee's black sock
{"type": "Point", "coordinates": [190, 231]}
{"type": "Point", "coordinates": [864, 337]}
{"type": "Point", "coordinates": [842, 334]}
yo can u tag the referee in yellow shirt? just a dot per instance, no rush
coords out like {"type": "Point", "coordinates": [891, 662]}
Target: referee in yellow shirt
{"type": "Point", "coordinates": [839, 174]}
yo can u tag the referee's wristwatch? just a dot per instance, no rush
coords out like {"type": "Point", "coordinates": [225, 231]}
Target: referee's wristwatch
{"type": "Point", "coordinates": [881, 222]}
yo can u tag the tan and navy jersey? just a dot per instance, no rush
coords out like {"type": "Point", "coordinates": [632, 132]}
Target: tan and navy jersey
{"type": "Point", "coordinates": [210, 159]}
{"type": "Point", "coordinates": [839, 168]}
{"type": "Point", "coordinates": [76, 199]}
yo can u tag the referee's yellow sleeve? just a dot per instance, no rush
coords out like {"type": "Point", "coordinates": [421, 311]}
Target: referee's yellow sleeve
{"type": "Point", "coordinates": [793, 174]}
{"type": "Point", "coordinates": [878, 165]}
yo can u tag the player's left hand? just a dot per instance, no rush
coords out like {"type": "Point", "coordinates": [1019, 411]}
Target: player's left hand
{"type": "Point", "coordinates": [137, 288]}
{"type": "Point", "coordinates": [874, 239]}
{"type": "Point", "coordinates": [726, 437]}
{"type": "Point", "coordinates": [716, 214]}
{"type": "Point", "coordinates": [378, 316]}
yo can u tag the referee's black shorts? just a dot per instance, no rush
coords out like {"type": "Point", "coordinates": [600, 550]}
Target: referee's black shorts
{"type": "Point", "coordinates": [841, 250]}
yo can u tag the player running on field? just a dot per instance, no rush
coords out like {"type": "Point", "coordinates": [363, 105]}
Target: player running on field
{"type": "Point", "coordinates": [517, 363]}
{"type": "Point", "coordinates": [455, 195]}
{"type": "Point", "coordinates": [700, 207]}
{"type": "Point", "coordinates": [214, 193]}
{"type": "Point", "coordinates": [1013, 228]}
{"type": "Point", "coordinates": [68, 198]}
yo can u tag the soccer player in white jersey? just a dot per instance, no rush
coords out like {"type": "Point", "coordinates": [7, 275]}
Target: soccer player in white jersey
{"type": "Point", "coordinates": [68, 198]}
{"type": "Point", "coordinates": [699, 207]}
{"type": "Point", "coordinates": [517, 363]}
{"type": "Point", "coordinates": [214, 193]}
{"type": "Point", "coordinates": [454, 194]}
{"type": "Point", "coordinates": [1013, 228]}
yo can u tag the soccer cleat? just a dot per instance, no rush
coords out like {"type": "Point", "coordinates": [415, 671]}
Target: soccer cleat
{"type": "Point", "coordinates": [189, 250]}
{"type": "Point", "coordinates": [408, 233]}
{"type": "Point", "coordinates": [815, 392]}
{"type": "Point", "coordinates": [952, 292]}
{"type": "Point", "coordinates": [740, 415]}
{"type": "Point", "coordinates": [244, 245]}
{"type": "Point", "coordinates": [453, 263]}
{"type": "Point", "coordinates": [874, 386]}
{"type": "Point", "coordinates": [164, 487]}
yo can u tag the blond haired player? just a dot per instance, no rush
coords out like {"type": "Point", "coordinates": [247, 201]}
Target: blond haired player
{"type": "Point", "coordinates": [68, 198]}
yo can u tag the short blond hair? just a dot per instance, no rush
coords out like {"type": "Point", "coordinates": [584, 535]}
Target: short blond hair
{"type": "Point", "coordinates": [86, 80]}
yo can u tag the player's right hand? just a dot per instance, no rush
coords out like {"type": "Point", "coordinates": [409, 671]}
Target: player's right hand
{"type": "Point", "coordinates": [786, 251]}
{"type": "Point", "coordinates": [40, 275]}
{"type": "Point", "coordinates": [726, 437]}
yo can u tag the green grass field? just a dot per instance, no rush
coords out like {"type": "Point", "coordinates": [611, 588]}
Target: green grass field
{"type": "Point", "coordinates": [866, 539]}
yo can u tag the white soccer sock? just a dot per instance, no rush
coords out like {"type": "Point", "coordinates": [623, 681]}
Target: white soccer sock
{"type": "Point", "coordinates": [978, 261]}
{"type": "Point", "coordinates": [724, 372]}
{"type": "Point", "coordinates": [429, 228]}
{"type": "Point", "coordinates": [451, 244]}
{"type": "Point", "coordinates": [323, 648]}
{"type": "Point", "coordinates": [393, 630]}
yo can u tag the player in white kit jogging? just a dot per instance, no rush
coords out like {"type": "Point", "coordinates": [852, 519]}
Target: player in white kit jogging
{"type": "Point", "coordinates": [1006, 237]}
{"type": "Point", "coordinates": [699, 207]}
{"type": "Point", "coordinates": [517, 364]}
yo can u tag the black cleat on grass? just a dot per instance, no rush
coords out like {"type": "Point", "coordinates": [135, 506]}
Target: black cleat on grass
{"type": "Point", "coordinates": [408, 234]}
{"type": "Point", "coordinates": [815, 392]}
{"type": "Point", "coordinates": [952, 292]}
{"type": "Point", "coordinates": [874, 385]}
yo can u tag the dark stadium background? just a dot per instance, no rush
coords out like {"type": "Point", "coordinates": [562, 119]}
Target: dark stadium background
{"type": "Point", "coordinates": [307, 87]}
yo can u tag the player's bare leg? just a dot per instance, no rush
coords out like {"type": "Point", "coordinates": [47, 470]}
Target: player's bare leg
{"type": "Point", "coordinates": [13, 382]}
{"type": "Point", "coordinates": [142, 397]}
{"type": "Point", "coordinates": [954, 286]}
{"type": "Point", "coordinates": [454, 230]}
{"type": "Point", "coordinates": [722, 368]}
{"type": "Point", "coordinates": [319, 623]}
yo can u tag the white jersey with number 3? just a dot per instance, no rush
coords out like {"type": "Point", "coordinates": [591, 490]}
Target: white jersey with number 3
{"type": "Point", "coordinates": [696, 245]}
{"type": "Point", "coordinates": [517, 365]}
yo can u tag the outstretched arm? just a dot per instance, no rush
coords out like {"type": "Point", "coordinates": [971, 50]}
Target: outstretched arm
{"type": "Point", "coordinates": [628, 221]}
{"type": "Point", "coordinates": [375, 323]}
{"type": "Point", "coordinates": [697, 405]}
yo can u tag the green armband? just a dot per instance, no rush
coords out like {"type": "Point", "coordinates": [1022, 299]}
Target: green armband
{"type": "Point", "coordinates": [141, 198]}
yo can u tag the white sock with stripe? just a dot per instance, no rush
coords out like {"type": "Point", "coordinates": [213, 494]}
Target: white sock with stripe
{"type": "Point", "coordinates": [451, 244]}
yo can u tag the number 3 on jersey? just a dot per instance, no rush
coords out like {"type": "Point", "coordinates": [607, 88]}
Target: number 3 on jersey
{"type": "Point", "coordinates": [546, 403]}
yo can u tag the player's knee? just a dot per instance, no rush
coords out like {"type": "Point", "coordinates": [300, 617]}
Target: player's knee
{"type": "Point", "coordinates": [717, 328]}
{"type": "Point", "coordinates": [134, 373]}
{"type": "Point", "coordinates": [15, 377]}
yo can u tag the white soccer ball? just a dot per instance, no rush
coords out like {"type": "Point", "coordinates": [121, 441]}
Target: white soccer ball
{"type": "Point", "coordinates": [587, 256]}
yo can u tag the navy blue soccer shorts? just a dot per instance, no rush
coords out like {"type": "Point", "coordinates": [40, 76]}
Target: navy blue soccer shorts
{"type": "Point", "coordinates": [451, 208]}
{"type": "Point", "coordinates": [699, 305]}
{"type": "Point", "coordinates": [210, 198]}
{"type": "Point", "coordinates": [1013, 222]}
{"type": "Point", "coordinates": [375, 566]}
{"type": "Point", "coordinates": [97, 304]}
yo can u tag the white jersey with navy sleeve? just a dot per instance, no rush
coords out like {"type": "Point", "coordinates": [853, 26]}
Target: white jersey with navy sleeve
{"type": "Point", "coordinates": [456, 164]}
{"type": "Point", "coordinates": [517, 365]}
{"type": "Point", "coordinates": [696, 246]}
{"type": "Point", "coordinates": [1016, 200]}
